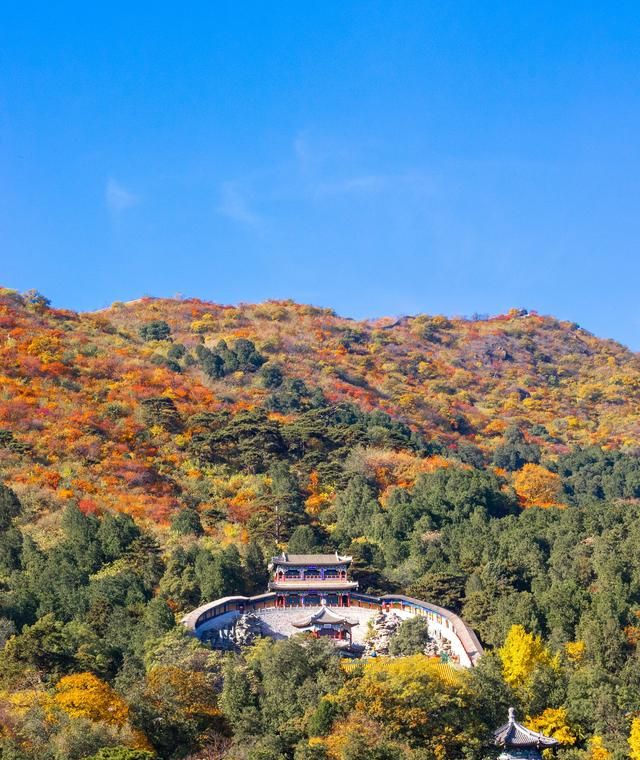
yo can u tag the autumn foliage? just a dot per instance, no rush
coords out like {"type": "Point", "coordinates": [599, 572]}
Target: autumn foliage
{"type": "Point", "coordinates": [553, 722]}
{"type": "Point", "coordinates": [159, 451]}
{"type": "Point", "coordinates": [84, 695]}
{"type": "Point", "coordinates": [74, 388]}
{"type": "Point", "coordinates": [634, 739]}
{"type": "Point", "coordinates": [537, 486]}
{"type": "Point", "coordinates": [522, 654]}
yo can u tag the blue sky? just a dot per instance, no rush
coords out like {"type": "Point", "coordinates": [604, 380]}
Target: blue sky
{"type": "Point", "coordinates": [376, 157]}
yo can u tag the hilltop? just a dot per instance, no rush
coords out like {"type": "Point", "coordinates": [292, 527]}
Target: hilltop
{"type": "Point", "coordinates": [77, 410]}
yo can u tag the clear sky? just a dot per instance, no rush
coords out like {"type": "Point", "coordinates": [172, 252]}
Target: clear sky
{"type": "Point", "coordinates": [380, 158]}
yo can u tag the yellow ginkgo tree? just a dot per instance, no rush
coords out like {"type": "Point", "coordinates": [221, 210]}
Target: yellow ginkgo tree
{"type": "Point", "coordinates": [521, 654]}
{"type": "Point", "coordinates": [553, 722]}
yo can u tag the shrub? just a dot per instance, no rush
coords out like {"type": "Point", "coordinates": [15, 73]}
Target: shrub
{"type": "Point", "coordinates": [158, 329]}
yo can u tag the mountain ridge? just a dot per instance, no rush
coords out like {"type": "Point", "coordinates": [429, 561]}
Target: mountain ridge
{"type": "Point", "coordinates": [75, 386]}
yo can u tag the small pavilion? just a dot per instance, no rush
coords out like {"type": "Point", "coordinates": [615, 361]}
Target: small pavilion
{"type": "Point", "coordinates": [520, 743]}
{"type": "Point", "coordinates": [327, 623]}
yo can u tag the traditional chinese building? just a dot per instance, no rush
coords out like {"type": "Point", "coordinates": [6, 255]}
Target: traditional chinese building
{"type": "Point", "coordinates": [320, 583]}
{"type": "Point", "coordinates": [520, 743]}
{"type": "Point", "coordinates": [309, 580]}
{"type": "Point", "coordinates": [327, 623]}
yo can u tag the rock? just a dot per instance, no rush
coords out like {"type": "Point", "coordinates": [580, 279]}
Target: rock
{"type": "Point", "coordinates": [245, 630]}
{"type": "Point", "coordinates": [383, 627]}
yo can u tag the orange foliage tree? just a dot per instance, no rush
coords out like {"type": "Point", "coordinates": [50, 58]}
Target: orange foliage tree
{"type": "Point", "coordinates": [537, 487]}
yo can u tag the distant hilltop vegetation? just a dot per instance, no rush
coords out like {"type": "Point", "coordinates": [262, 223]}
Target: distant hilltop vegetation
{"type": "Point", "coordinates": [125, 407]}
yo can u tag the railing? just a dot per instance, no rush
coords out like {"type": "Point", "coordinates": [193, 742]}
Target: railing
{"type": "Point", "coordinates": [446, 621]}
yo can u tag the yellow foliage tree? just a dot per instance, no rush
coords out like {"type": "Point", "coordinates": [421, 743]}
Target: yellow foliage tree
{"type": "Point", "coordinates": [537, 487]}
{"type": "Point", "coordinates": [319, 498]}
{"type": "Point", "coordinates": [405, 696]}
{"type": "Point", "coordinates": [84, 695]}
{"type": "Point", "coordinates": [553, 722]}
{"type": "Point", "coordinates": [188, 691]}
{"type": "Point", "coordinates": [47, 348]}
{"type": "Point", "coordinates": [207, 323]}
{"type": "Point", "coordinates": [20, 702]}
{"type": "Point", "coordinates": [355, 726]}
{"type": "Point", "coordinates": [521, 654]}
{"type": "Point", "coordinates": [575, 650]}
{"type": "Point", "coordinates": [634, 740]}
{"type": "Point", "coordinates": [597, 750]}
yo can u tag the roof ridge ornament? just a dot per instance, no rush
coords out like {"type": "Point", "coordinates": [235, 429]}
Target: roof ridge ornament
{"type": "Point", "coordinates": [515, 736]}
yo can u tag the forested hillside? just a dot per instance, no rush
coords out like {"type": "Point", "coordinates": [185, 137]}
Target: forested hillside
{"type": "Point", "coordinates": [490, 465]}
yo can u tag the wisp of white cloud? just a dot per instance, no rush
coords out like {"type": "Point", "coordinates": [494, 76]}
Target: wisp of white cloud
{"type": "Point", "coordinates": [370, 183]}
{"type": "Point", "coordinates": [118, 198]}
{"type": "Point", "coordinates": [234, 205]}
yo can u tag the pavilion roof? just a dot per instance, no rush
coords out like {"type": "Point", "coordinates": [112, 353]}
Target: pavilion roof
{"type": "Point", "coordinates": [297, 560]}
{"type": "Point", "coordinates": [514, 734]}
{"type": "Point", "coordinates": [324, 617]}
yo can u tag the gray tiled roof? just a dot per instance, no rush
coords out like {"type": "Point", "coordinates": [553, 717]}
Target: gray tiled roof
{"type": "Point", "coordinates": [325, 616]}
{"type": "Point", "coordinates": [514, 734]}
{"type": "Point", "coordinates": [310, 559]}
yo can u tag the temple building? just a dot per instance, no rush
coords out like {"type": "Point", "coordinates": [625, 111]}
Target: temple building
{"type": "Point", "coordinates": [309, 592]}
{"type": "Point", "coordinates": [309, 580]}
{"type": "Point", "coordinates": [327, 623]}
{"type": "Point", "coordinates": [520, 743]}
